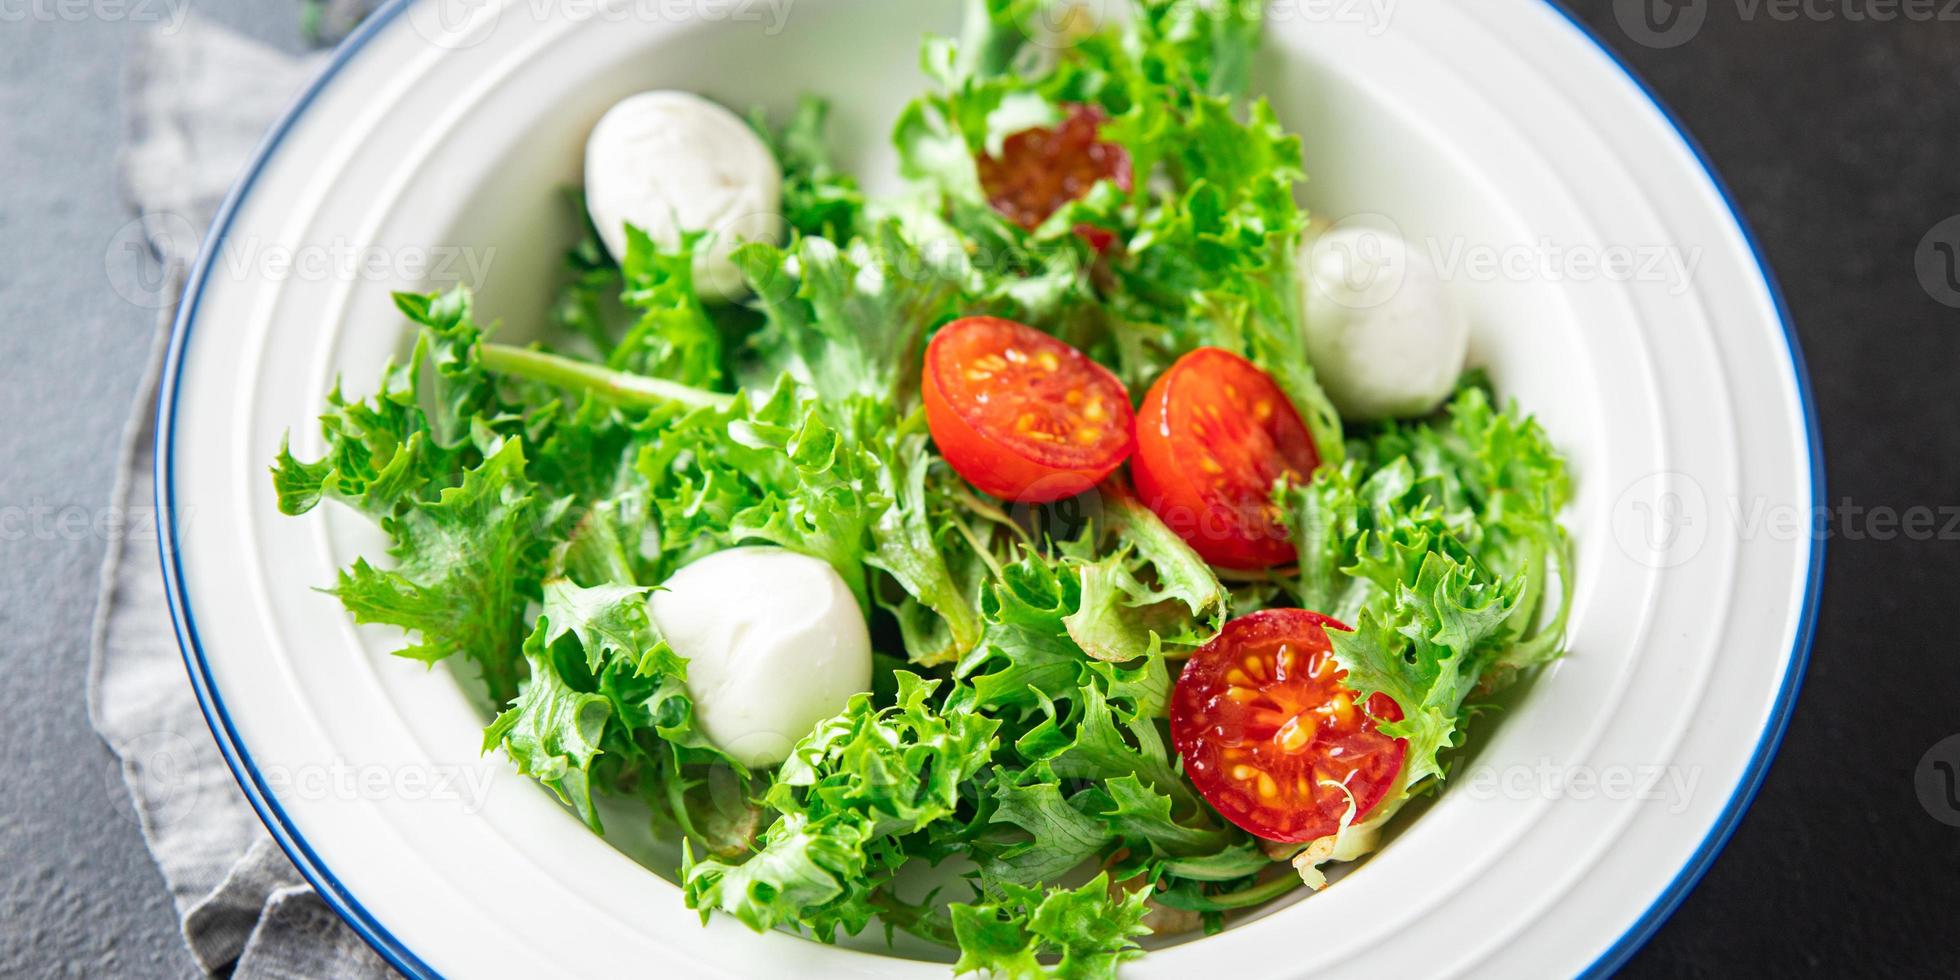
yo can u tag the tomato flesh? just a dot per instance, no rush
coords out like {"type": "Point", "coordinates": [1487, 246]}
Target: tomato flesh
{"type": "Point", "coordinates": [1214, 434]}
{"type": "Point", "coordinates": [1020, 414]}
{"type": "Point", "coordinates": [1271, 737]}
{"type": "Point", "coordinates": [1041, 169]}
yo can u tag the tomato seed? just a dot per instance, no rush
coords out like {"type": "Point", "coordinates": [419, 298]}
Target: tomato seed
{"type": "Point", "coordinates": [1294, 736]}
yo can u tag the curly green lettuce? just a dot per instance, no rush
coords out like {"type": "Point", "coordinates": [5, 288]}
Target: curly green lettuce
{"type": "Point", "coordinates": [1017, 727]}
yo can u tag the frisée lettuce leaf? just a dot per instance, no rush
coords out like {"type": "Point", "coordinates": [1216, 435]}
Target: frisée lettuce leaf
{"type": "Point", "coordinates": [1439, 543]}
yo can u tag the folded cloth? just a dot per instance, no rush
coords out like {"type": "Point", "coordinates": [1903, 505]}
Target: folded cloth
{"type": "Point", "coordinates": [199, 100]}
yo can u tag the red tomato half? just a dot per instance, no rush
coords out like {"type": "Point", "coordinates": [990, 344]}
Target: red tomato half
{"type": "Point", "coordinates": [1213, 435]}
{"type": "Point", "coordinates": [1043, 168]}
{"type": "Point", "coordinates": [1272, 738]}
{"type": "Point", "coordinates": [1020, 414]}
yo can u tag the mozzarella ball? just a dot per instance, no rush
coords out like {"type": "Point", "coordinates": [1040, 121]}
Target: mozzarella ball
{"type": "Point", "coordinates": [1385, 336]}
{"type": "Point", "coordinates": [774, 644]}
{"type": "Point", "coordinates": [669, 162]}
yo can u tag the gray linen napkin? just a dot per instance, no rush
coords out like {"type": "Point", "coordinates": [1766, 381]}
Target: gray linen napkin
{"type": "Point", "coordinates": [198, 102]}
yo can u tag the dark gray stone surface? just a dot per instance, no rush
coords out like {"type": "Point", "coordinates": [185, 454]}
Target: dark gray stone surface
{"type": "Point", "coordinates": [1836, 135]}
{"type": "Point", "coordinates": [78, 895]}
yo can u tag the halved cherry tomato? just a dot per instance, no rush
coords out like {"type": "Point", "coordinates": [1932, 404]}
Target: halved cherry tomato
{"type": "Point", "coordinates": [1213, 435]}
{"type": "Point", "coordinates": [1043, 168]}
{"type": "Point", "coordinates": [1272, 738]}
{"type": "Point", "coordinates": [1020, 414]}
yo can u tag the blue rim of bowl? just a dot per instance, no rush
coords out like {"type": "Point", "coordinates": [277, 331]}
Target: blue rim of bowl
{"type": "Point", "coordinates": [398, 954]}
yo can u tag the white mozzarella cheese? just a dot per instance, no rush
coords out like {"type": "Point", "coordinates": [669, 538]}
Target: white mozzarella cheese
{"type": "Point", "coordinates": [774, 644]}
{"type": "Point", "coordinates": [670, 162]}
{"type": "Point", "coordinates": [1385, 336]}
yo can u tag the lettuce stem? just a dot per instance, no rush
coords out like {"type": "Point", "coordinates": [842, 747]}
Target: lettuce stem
{"type": "Point", "coordinates": [914, 919]}
{"type": "Point", "coordinates": [1247, 897]}
{"type": "Point", "coordinates": [1257, 894]}
{"type": "Point", "coordinates": [615, 386]}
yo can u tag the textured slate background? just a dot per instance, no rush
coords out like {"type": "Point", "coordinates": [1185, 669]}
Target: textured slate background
{"type": "Point", "coordinates": [1836, 132]}
{"type": "Point", "coordinates": [78, 895]}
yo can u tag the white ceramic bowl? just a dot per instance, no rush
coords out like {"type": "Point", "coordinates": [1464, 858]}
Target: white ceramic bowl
{"type": "Point", "coordinates": [1484, 132]}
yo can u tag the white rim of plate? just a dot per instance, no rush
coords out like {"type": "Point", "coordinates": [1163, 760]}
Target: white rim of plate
{"type": "Point", "coordinates": [349, 907]}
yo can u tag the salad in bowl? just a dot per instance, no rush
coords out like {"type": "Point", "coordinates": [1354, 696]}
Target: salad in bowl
{"type": "Point", "coordinates": [1081, 544]}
